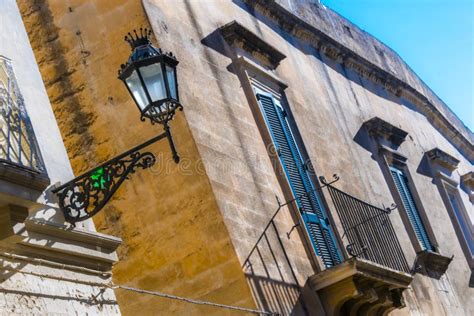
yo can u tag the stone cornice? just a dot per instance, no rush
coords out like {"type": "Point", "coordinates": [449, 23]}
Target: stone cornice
{"type": "Point", "coordinates": [334, 49]}
{"type": "Point", "coordinates": [382, 129]}
{"type": "Point", "coordinates": [235, 34]}
{"type": "Point", "coordinates": [441, 158]}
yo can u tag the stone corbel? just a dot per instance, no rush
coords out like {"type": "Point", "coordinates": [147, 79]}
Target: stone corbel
{"type": "Point", "coordinates": [467, 181]}
{"type": "Point", "coordinates": [360, 287]}
{"type": "Point", "coordinates": [431, 263]}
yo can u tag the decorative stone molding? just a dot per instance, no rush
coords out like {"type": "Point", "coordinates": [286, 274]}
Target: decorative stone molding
{"type": "Point", "coordinates": [236, 35]}
{"type": "Point", "coordinates": [381, 129]}
{"type": "Point", "coordinates": [468, 182]}
{"type": "Point", "coordinates": [341, 51]}
{"type": "Point", "coordinates": [442, 158]}
{"type": "Point", "coordinates": [431, 263]}
{"type": "Point", "coordinates": [35, 237]}
{"type": "Point", "coordinates": [360, 287]}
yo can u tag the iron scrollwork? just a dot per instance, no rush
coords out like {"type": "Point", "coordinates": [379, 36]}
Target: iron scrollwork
{"type": "Point", "coordinates": [84, 196]}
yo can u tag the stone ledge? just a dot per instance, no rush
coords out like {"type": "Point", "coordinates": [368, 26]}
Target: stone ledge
{"type": "Point", "coordinates": [56, 242]}
{"type": "Point", "coordinates": [359, 286]}
{"type": "Point", "coordinates": [23, 176]}
{"type": "Point", "coordinates": [72, 233]}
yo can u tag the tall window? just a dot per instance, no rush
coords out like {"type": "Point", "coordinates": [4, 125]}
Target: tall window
{"type": "Point", "coordinates": [17, 141]}
{"type": "Point", "coordinates": [466, 229]}
{"type": "Point", "coordinates": [403, 188]}
{"type": "Point", "coordinates": [311, 208]}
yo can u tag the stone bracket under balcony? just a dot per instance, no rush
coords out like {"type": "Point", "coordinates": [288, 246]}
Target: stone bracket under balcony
{"type": "Point", "coordinates": [360, 287]}
{"type": "Point", "coordinates": [431, 263]}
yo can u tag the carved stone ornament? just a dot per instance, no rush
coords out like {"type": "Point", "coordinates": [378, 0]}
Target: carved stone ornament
{"type": "Point", "coordinates": [360, 287]}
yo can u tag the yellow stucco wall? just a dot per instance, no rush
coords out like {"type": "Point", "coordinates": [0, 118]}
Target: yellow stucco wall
{"type": "Point", "coordinates": [175, 240]}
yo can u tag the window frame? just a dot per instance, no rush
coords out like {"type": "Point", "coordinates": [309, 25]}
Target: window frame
{"type": "Point", "coordinates": [279, 101]}
{"type": "Point", "coordinates": [418, 205]}
{"type": "Point", "coordinates": [447, 187]}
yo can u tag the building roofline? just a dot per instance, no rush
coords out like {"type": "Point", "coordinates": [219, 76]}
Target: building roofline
{"type": "Point", "coordinates": [320, 26]}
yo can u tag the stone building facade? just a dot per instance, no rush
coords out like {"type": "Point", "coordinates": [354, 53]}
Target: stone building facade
{"type": "Point", "coordinates": [276, 94]}
{"type": "Point", "coordinates": [46, 267]}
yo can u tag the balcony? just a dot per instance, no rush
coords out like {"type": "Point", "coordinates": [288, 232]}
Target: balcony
{"type": "Point", "coordinates": [20, 159]}
{"type": "Point", "coordinates": [368, 280]}
{"type": "Point", "coordinates": [372, 278]}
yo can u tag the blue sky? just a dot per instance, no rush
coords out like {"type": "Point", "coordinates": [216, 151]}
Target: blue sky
{"type": "Point", "coordinates": [434, 37]}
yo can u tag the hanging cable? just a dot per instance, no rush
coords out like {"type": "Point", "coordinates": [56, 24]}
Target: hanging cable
{"type": "Point", "coordinates": [192, 301]}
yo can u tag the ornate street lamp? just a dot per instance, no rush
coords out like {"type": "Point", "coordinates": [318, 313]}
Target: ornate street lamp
{"type": "Point", "coordinates": [151, 79]}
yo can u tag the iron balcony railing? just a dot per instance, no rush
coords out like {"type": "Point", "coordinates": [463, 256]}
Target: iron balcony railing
{"type": "Point", "coordinates": [368, 230]}
{"type": "Point", "coordinates": [18, 144]}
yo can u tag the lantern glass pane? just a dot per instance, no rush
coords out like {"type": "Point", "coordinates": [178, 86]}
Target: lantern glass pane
{"type": "Point", "coordinates": [154, 81]}
{"type": "Point", "coordinates": [135, 86]}
{"type": "Point", "coordinates": [171, 81]}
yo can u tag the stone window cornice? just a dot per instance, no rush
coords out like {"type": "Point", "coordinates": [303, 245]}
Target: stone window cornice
{"type": "Point", "coordinates": [238, 36]}
{"type": "Point", "coordinates": [384, 131]}
{"type": "Point", "coordinates": [439, 158]}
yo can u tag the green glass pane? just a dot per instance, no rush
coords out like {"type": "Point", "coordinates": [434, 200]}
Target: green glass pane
{"type": "Point", "coordinates": [98, 178]}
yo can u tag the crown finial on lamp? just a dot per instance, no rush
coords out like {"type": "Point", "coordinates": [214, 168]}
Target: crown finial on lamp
{"type": "Point", "coordinates": [135, 40]}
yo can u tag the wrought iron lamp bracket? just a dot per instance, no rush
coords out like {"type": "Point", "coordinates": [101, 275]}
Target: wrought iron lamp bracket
{"type": "Point", "coordinates": [86, 195]}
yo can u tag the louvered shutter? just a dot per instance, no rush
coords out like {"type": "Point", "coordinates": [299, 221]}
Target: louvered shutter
{"type": "Point", "coordinates": [313, 214]}
{"type": "Point", "coordinates": [401, 182]}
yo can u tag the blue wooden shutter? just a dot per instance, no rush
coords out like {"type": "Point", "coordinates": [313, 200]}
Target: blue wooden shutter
{"type": "Point", "coordinates": [313, 214]}
{"type": "Point", "coordinates": [401, 182]}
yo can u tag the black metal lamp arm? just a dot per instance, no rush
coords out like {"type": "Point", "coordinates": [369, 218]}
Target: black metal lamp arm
{"type": "Point", "coordinates": [84, 196]}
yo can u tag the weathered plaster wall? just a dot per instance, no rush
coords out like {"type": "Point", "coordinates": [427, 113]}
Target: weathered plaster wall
{"type": "Point", "coordinates": [329, 103]}
{"type": "Point", "coordinates": [34, 289]}
{"type": "Point", "coordinates": [174, 238]}
{"type": "Point", "coordinates": [31, 227]}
